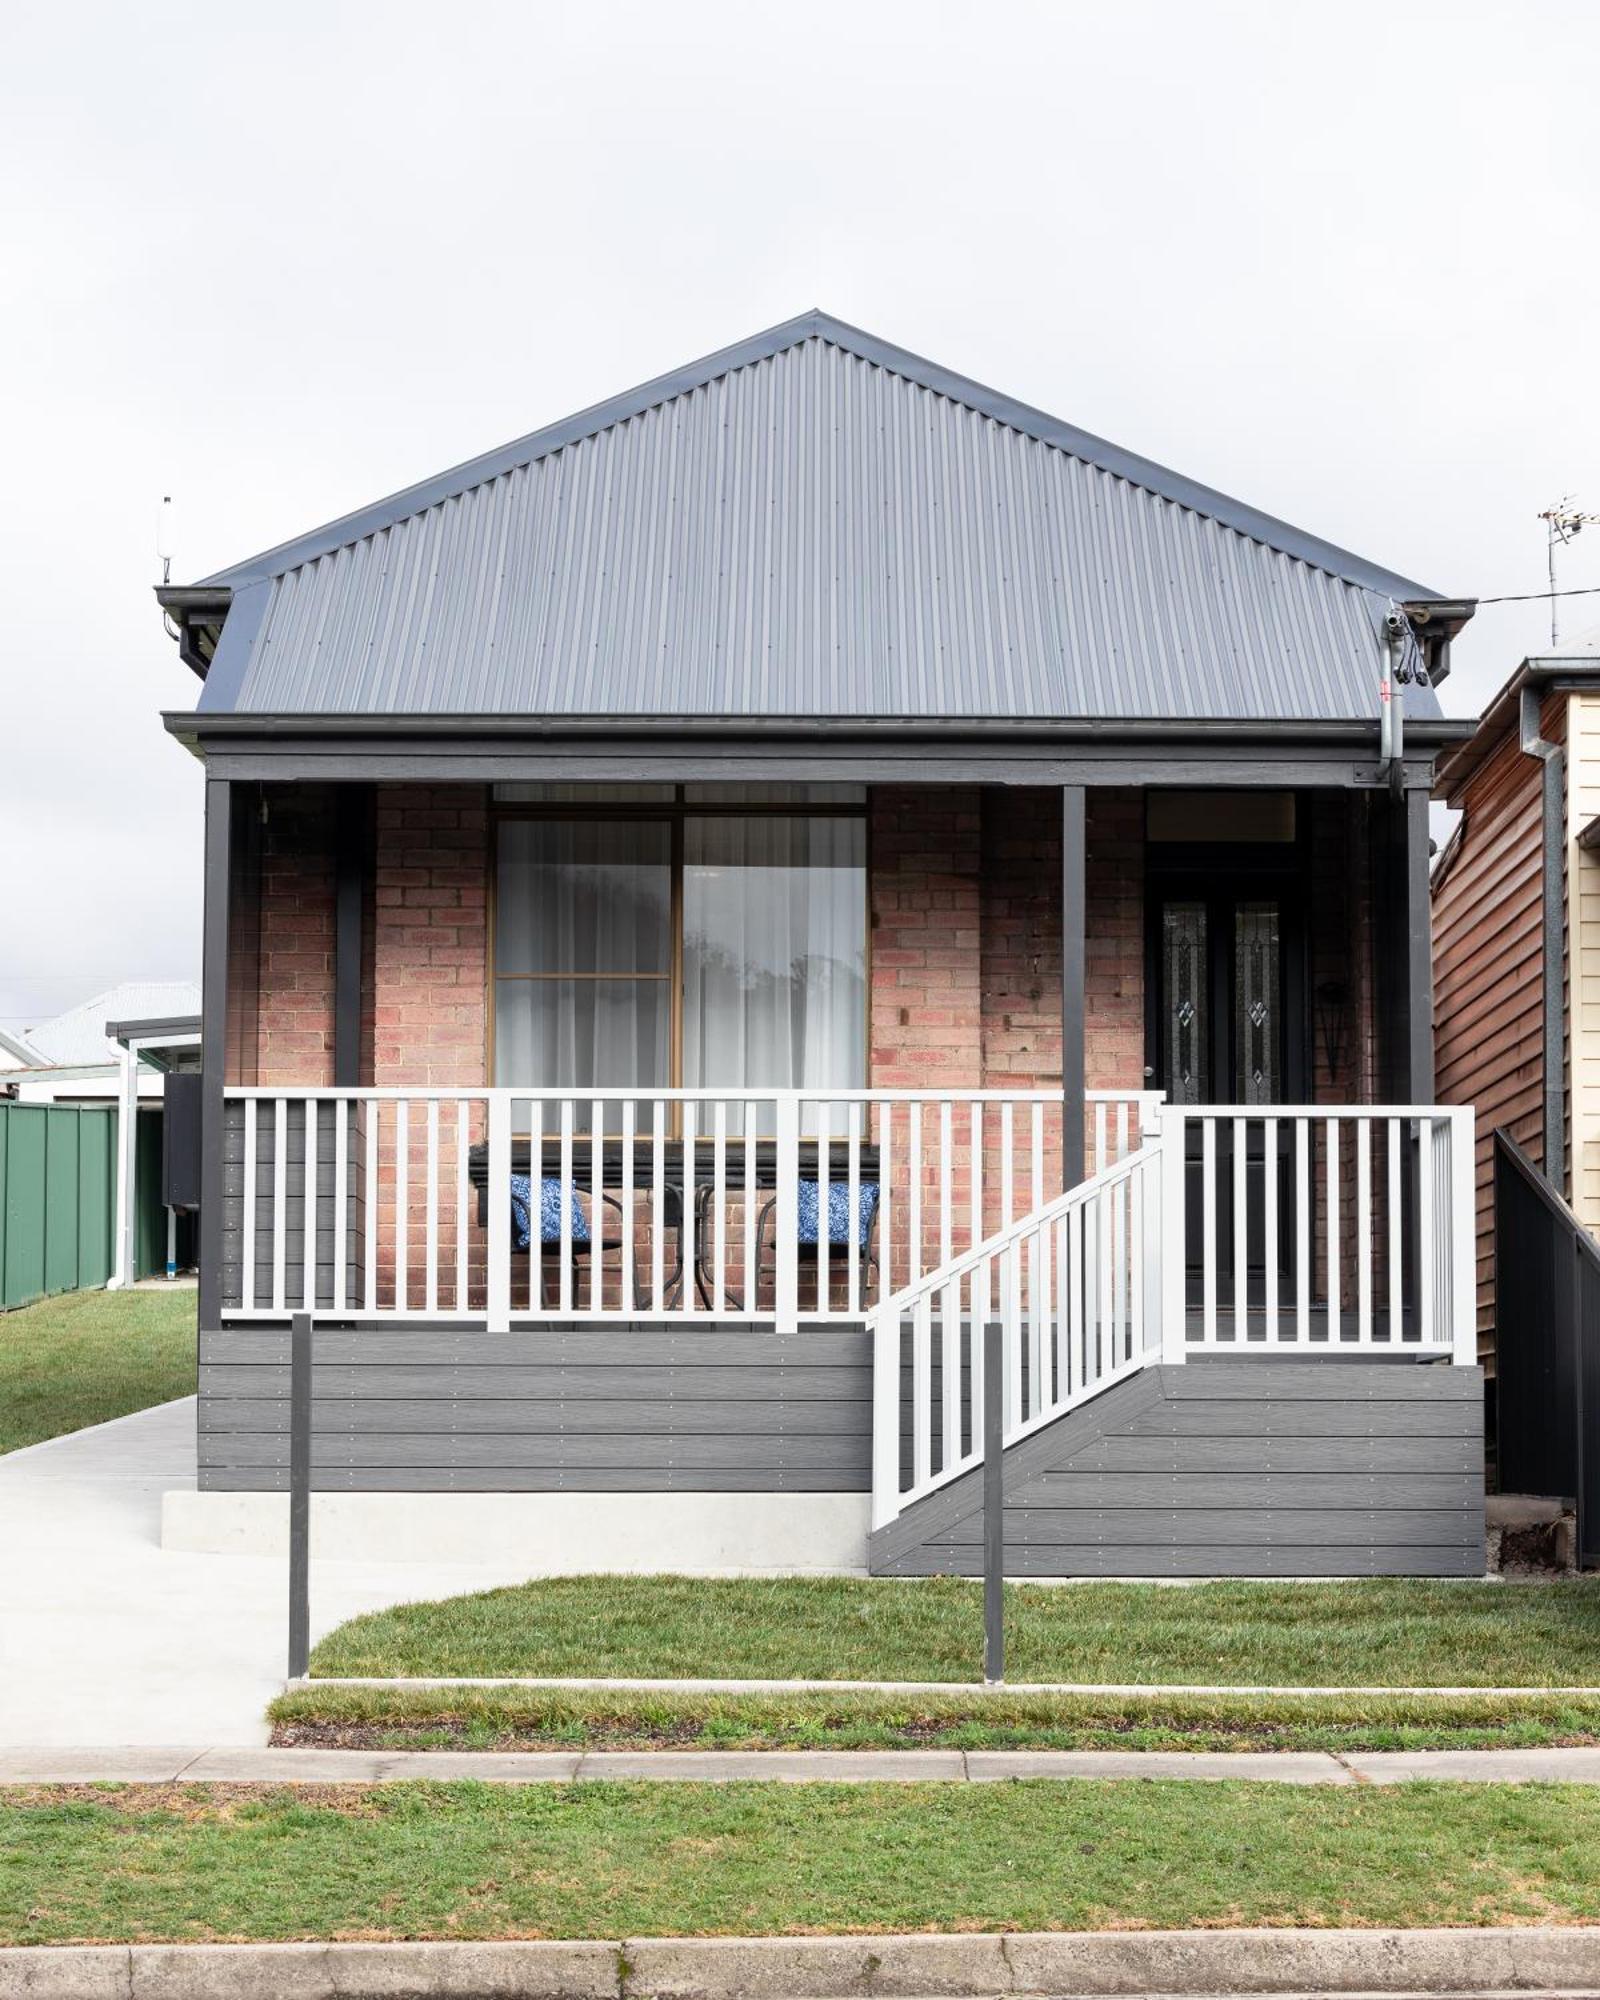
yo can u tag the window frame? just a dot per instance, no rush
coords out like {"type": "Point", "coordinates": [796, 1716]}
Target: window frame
{"type": "Point", "coordinates": [673, 814]}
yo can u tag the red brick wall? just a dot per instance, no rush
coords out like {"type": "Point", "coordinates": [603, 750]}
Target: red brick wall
{"type": "Point", "coordinates": [430, 936]}
{"type": "Point", "coordinates": [294, 1021]}
{"type": "Point", "coordinates": [966, 938]}
{"type": "Point", "coordinates": [926, 1010]}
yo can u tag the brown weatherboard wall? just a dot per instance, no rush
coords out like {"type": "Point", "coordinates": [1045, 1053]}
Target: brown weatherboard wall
{"type": "Point", "coordinates": [1231, 1468]}
{"type": "Point", "coordinates": [1488, 974]}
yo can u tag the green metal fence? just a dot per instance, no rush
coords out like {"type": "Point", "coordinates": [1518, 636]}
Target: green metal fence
{"type": "Point", "coordinates": [58, 1190]}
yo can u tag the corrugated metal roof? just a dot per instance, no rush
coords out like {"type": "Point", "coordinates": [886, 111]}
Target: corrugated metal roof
{"type": "Point", "coordinates": [79, 1035]}
{"type": "Point", "coordinates": [813, 524]}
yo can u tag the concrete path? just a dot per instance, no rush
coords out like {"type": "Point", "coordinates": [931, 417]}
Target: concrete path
{"type": "Point", "coordinates": [533, 1767]}
{"type": "Point", "coordinates": [105, 1637]}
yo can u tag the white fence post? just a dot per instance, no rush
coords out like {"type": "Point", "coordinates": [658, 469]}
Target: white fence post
{"type": "Point", "coordinates": [786, 1215]}
{"type": "Point", "coordinates": [886, 1419]}
{"type": "Point", "coordinates": [499, 1212]}
{"type": "Point", "coordinates": [1173, 1238]}
{"type": "Point", "coordinates": [1463, 1238]}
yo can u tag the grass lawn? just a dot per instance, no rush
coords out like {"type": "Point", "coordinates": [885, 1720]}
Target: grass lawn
{"type": "Point", "coordinates": [87, 1356]}
{"type": "Point", "coordinates": [608, 1860]}
{"type": "Point", "coordinates": [1384, 1632]}
{"type": "Point", "coordinates": [538, 1718]}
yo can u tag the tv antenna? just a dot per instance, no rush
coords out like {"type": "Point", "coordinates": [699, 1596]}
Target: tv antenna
{"type": "Point", "coordinates": [164, 537]}
{"type": "Point", "coordinates": [1563, 523]}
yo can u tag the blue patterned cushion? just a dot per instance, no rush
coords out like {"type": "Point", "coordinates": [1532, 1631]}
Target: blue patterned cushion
{"type": "Point", "coordinates": [838, 1211]}
{"type": "Point", "coordinates": [549, 1212]}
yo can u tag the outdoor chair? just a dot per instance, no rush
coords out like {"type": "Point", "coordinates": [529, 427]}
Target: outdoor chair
{"type": "Point", "coordinates": [585, 1249]}
{"type": "Point", "coordinates": [809, 1205]}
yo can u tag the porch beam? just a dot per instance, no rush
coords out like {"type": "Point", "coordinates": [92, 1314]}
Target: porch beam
{"type": "Point", "coordinates": [1278, 772]}
{"type": "Point", "coordinates": [214, 1041]}
{"type": "Point", "coordinates": [1074, 965]}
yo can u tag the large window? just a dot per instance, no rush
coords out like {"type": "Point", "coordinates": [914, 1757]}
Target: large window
{"type": "Point", "coordinates": [651, 945]}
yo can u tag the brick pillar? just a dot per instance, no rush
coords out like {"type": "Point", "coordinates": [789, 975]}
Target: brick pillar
{"type": "Point", "coordinates": [429, 1001]}
{"type": "Point", "coordinates": [295, 950]}
{"type": "Point", "coordinates": [430, 936]}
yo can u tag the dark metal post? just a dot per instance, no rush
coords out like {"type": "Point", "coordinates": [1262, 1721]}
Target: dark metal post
{"type": "Point", "coordinates": [1418, 1055]}
{"type": "Point", "coordinates": [214, 1044]}
{"type": "Point", "coordinates": [994, 1506]}
{"type": "Point", "coordinates": [299, 1495]}
{"type": "Point", "coordinates": [1073, 970]}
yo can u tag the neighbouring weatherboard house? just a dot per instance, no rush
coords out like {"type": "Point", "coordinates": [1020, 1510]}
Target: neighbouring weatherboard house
{"type": "Point", "coordinates": [714, 904]}
{"type": "Point", "coordinates": [1516, 901]}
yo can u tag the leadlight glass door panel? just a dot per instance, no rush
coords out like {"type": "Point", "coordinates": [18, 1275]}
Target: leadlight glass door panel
{"type": "Point", "coordinates": [1186, 1011]}
{"type": "Point", "coordinates": [1225, 1013]}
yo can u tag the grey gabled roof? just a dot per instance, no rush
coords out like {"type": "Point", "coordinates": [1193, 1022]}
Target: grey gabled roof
{"type": "Point", "coordinates": [812, 523]}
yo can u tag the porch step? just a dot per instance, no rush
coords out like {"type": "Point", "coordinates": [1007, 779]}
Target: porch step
{"type": "Point", "coordinates": [1229, 1468]}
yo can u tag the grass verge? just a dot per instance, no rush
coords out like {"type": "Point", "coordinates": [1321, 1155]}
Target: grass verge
{"type": "Point", "coordinates": [86, 1357]}
{"type": "Point", "coordinates": [199, 1863]}
{"type": "Point", "coordinates": [1387, 1632]}
{"type": "Point", "coordinates": [536, 1718]}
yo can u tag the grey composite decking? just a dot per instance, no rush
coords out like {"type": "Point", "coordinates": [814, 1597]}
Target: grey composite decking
{"type": "Point", "coordinates": [608, 1409]}
{"type": "Point", "coordinates": [1326, 1466]}
{"type": "Point", "coordinates": [1234, 1468]}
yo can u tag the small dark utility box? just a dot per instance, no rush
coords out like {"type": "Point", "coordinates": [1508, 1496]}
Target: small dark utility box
{"type": "Point", "coordinates": [180, 1141]}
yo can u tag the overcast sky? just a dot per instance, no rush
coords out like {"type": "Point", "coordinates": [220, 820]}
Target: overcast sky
{"type": "Point", "coordinates": [1338, 261]}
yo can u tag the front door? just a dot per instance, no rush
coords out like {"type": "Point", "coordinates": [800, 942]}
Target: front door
{"type": "Point", "coordinates": [1228, 1026]}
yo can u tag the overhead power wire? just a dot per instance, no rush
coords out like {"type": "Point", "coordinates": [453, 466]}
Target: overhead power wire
{"type": "Point", "coordinates": [1529, 596]}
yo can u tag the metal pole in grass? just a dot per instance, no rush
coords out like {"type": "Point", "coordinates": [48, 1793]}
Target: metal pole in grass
{"type": "Point", "coordinates": [299, 1495]}
{"type": "Point", "coordinates": [994, 1508]}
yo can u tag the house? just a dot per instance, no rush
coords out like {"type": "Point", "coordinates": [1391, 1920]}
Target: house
{"type": "Point", "coordinates": [116, 1051]}
{"type": "Point", "coordinates": [714, 905]}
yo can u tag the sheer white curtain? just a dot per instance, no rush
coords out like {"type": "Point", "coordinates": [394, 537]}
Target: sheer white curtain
{"type": "Point", "coordinates": [774, 952]}
{"type": "Point", "coordinates": [582, 953]}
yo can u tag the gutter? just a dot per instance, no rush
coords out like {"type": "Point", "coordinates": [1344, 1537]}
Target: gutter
{"type": "Point", "coordinates": [195, 613]}
{"type": "Point", "coordinates": [1356, 731]}
{"type": "Point", "coordinates": [1554, 759]}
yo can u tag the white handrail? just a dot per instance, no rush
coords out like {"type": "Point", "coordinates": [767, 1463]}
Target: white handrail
{"type": "Point", "coordinates": [1075, 1318]}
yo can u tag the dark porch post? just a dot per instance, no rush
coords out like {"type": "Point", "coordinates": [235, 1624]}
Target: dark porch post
{"type": "Point", "coordinates": [1074, 899]}
{"type": "Point", "coordinates": [214, 1042]}
{"type": "Point", "coordinates": [1414, 950]}
{"type": "Point", "coordinates": [350, 868]}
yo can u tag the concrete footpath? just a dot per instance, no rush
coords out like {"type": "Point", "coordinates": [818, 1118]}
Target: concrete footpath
{"type": "Point", "coordinates": [1481, 1962]}
{"type": "Point", "coordinates": [533, 1767]}
{"type": "Point", "coordinates": [107, 1637]}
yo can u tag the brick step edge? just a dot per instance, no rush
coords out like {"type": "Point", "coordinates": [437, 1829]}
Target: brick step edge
{"type": "Point", "coordinates": [1480, 1962]}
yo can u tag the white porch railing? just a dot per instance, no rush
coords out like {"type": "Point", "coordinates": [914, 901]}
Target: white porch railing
{"type": "Point", "coordinates": [1279, 1231]}
{"type": "Point", "coordinates": [1076, 1288]}
{"type": "Point", "coordinates": [680, 1205]}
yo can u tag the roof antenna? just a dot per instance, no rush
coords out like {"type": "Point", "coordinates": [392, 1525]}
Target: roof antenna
{"type": "Point", "coordinates": [1562, 523]}
{"type": "Point", "coordinates": [164, 537]}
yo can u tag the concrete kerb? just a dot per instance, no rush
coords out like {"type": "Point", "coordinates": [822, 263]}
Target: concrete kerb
{"type": "Point", "coordinates": [938, 1967]}
{"type": "Point", "coordinates": [1577, 1765]}
{"type": "Point", "coordinates": [1152, 1691]}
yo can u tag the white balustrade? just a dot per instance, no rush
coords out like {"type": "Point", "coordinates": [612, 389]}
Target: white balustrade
{"type": "Point", "coordinates": [1277, 1230]}
{"type": "Point", "coordinates": [781, 1207]}
{"type": "Point", "coordinates": [1071, 1287]}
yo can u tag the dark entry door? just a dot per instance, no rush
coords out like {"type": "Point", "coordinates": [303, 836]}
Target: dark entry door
{"type": "Point", "coordinates": [1228, 1026]}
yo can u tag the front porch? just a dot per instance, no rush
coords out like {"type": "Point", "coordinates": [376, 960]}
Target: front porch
{"type": "Point", "coordinates": [1056, 1061]}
